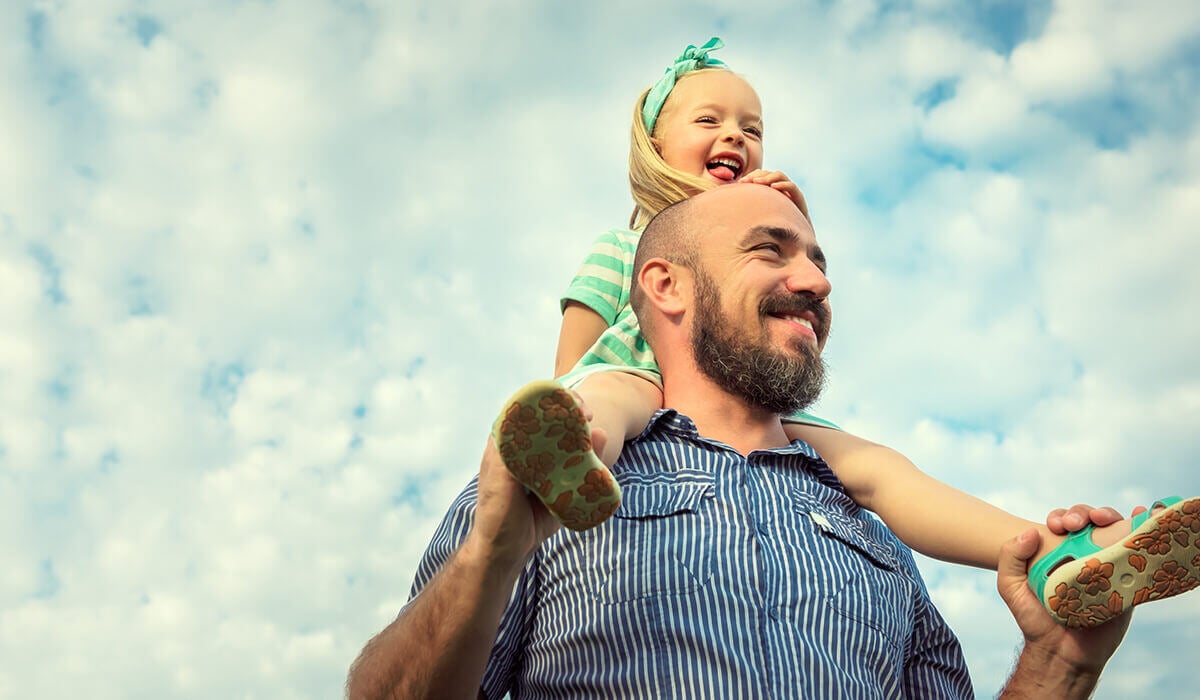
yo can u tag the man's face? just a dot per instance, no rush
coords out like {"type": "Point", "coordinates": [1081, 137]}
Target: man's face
{"type": "Point", "coordinates": [761, 301]}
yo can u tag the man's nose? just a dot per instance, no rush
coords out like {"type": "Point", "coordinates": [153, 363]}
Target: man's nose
{"type": "Point", "coordinates": [805, 276]}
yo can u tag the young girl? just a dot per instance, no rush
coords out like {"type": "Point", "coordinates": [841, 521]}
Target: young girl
{"type": "Point", "coordinates": [700, 126]}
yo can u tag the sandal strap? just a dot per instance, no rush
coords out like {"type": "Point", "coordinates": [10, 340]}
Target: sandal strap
{"type": "Point", "coordinates": [1141, 518]}
{"type": "Point", "coordinates": [1076, 546]}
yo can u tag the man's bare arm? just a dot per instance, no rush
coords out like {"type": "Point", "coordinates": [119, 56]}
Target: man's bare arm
{"type": "Point", "coordinates": [439, 645]}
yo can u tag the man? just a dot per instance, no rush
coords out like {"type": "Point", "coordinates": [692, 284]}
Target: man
{"type": "Point", "coordinates": [736, 565]}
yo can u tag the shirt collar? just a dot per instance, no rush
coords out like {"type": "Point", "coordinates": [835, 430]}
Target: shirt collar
{"type": "Point", "coordinates": [672, 421]}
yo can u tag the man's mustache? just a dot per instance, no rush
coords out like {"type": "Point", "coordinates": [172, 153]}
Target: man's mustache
{"type": "Point", "coordinates": [797, 305]}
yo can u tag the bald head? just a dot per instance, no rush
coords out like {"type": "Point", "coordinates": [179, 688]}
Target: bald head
{"type": "Point", "coordinates": [678, 233]}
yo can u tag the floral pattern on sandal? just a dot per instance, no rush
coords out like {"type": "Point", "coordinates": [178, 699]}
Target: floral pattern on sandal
{"type": "Point", "coordinates": [546, 443]}
{"type": "Point", "coordinates": [1085, 585]}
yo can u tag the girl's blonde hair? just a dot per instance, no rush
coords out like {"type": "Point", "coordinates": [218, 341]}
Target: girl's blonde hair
{"type": "Point", "coordinates": [656, 185]}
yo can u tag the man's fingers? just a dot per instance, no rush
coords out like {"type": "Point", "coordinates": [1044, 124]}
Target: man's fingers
{"type": "Point", "coordinates": [1018, 550]}
{"type": "Point", "coordinates": [1062, 521]}
{"type": "Point", "coordinates": [1054, 521]}
{"type": "Point", "coordinates": [1011, 579]}
{"type": "Point", "coordinates": [1082, 514]}
{"type": "Point", "coordinates": [587, 412]}
{"type": "Point", "coordinates": [1105, 516]}
{"type": "Point", "coordinates": [599, 440]}
{"type": "Point", "coordinates": [1013, 557]}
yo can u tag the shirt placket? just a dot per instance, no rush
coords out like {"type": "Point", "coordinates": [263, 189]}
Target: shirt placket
{"type": "Point", "coordinates": [762, 516]}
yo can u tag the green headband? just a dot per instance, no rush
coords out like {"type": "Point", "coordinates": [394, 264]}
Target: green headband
{"type": "Point", "coordinates": [691, 59]}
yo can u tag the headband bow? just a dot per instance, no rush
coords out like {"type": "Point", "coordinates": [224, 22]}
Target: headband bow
{"type": "Point", "coordinates": [692, 58]}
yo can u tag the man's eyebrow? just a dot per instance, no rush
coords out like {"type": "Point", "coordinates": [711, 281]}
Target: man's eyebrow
{"type": "Point", "coordinates": [818, 256]}
{"type": "Point", "coordinates": [785, 236]}
{"type": "Point", "coordinates": [780, 234]}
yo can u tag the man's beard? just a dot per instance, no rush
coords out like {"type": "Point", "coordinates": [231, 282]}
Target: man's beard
{"type": "Point", "coordinates": [778, 381]}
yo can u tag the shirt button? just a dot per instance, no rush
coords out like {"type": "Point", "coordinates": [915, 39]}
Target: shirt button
{"type": "Point", "coordinates": [762, 529]}
{"type": "Point", "coordinates": [821, 521]}
{"type": "Point", "coordinates": [773, 613]}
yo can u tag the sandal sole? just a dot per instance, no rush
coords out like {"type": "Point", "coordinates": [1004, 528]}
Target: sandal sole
{"type": "Point", "coordinates": [546, 443]}
{"type": "Point", "coordinates": [1159, 560]}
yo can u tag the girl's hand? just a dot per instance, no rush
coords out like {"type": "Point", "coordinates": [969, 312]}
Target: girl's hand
{"type": "Point", "coordinates": [778, 181]}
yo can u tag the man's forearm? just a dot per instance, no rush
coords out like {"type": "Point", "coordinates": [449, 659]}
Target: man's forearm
{"type": "Point", "coordinates": [1042, 675]}
{"type": "Point", "coordinates": [439, 644]}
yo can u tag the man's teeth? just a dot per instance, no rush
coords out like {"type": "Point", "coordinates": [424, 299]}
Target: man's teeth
{"type": "Point", "coordinates": [802, 321]}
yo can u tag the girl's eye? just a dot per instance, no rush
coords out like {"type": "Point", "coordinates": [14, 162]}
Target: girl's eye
{"type": "Point", "coordinates": [754, 131]}
{"type": "Point", "coordinates": [707, 120]}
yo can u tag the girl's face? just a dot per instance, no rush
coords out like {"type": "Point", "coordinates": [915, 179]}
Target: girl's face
{"type": "Point", "coordinates": [711, 126]}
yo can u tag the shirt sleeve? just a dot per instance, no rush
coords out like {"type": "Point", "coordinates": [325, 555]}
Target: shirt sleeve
{"type": "Point", "coordinates": [602, 283]}
{"type": "Point", "coordinates": [934, 666]}
{"type": "Point", "coordinates": [507, 657]}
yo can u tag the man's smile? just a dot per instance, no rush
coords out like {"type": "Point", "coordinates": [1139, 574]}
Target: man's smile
{"type": "Point", "coordinates": [801, 324]}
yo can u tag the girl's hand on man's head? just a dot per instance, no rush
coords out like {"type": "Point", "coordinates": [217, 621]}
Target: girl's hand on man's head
{"type": "Point", "coordinates": [778, 181]}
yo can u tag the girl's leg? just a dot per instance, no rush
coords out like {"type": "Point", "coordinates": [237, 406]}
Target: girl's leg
{"type": "Point", "coordinates": [621, 404]}
{"type": "Point", "coordinates": [545, 440]}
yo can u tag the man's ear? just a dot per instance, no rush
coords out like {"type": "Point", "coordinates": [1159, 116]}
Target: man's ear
{"type": "Point", "coordinates": [665, 286]}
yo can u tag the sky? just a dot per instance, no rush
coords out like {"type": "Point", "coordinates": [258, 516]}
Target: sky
{"type": "Point", "coordinates": [268, 269]}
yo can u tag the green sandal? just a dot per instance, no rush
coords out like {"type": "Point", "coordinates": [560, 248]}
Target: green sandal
{"type": "Point", "coordinates": [1084, 585]}
{"type": "Point", "coordinates": [546, 443]}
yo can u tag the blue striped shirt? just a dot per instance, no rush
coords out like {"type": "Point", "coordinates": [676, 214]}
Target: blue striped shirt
{"type": "Point", "coordinates": [720, 576]}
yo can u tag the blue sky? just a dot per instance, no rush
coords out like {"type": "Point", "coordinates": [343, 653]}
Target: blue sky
{"type": "Point", "coordinates": [267, 270]}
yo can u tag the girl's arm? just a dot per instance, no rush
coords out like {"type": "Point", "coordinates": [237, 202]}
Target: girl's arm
{"type": "Point", "coordinates": [927, 515]}
{"type": "Point", "coordinates": [581, 327]}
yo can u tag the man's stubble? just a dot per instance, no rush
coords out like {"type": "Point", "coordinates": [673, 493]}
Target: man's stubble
{"type": "Point", "coordinates": [779, 381]}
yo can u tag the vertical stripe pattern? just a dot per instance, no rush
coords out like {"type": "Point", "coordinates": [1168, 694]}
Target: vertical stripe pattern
{"type": "Point", "coordinates": [720, 576]}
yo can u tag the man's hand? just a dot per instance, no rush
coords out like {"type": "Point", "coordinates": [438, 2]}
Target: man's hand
{"type": "Point", "coordinates": [1062, 521]}
{"type": "Point", "coordinates": [1056, 661]}
{"type": "Point", "coordinates": [778, 181]}
{"type": "Point", "coordinates": [510, 522]}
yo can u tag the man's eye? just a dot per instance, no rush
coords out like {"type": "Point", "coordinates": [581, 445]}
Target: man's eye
{"type": "Point", "coordinates": [770, 248]}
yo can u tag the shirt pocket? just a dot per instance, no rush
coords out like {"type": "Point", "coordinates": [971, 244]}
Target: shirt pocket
{"type": "Point", "coordinates": [871, 587]}
{"type": "Point", "coordinates": [658, 542]}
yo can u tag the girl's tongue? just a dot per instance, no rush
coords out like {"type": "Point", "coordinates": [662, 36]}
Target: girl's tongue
{"type": "Point", "coordinates": [721, 172]}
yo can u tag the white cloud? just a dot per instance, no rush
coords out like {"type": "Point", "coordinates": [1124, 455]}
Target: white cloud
{"type": "Point", "coordinates": [266, 270]}
{"type": "Point", "coordinates": [1062, 66]}
{"type": "Point", "coordinates": [1086, 46]}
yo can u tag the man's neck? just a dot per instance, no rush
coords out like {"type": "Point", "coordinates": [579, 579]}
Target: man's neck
{"type": "Point", "coordinates": [722, 416]}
